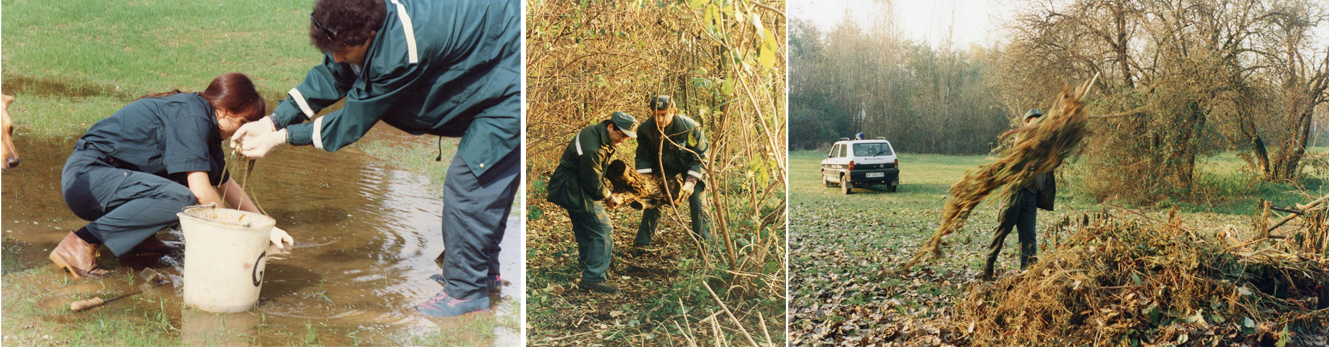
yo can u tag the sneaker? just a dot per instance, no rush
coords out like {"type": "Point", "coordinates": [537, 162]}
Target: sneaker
{"type": "Point", "coordinates": [495, 284]}
{"type": "Point", "coordinates": [441, 305]}
{"type": "Point", "coordinates": [599, 286]}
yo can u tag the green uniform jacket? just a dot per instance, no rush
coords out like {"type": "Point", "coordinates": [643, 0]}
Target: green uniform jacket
{"type": "Point", "coordinates": [684, 131]}
{"type": "Point", "coordinates": [578, 181]}
{"type": "Point", "coordinates": [446, 68]}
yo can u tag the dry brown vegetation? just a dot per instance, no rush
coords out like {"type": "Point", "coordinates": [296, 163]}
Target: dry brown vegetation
{"type": "Point", "coordinates": [1122, 277]}
{"type": "Point", "coordinates": [723, 62]}
{"type": "Point", "coordinates": [1038, 149]}
{"type": "Point", "coordinates": [1245, 75]}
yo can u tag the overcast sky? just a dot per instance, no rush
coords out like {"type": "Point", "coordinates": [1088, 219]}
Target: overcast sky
{"type": "Point", "coordinates": [976, 21]}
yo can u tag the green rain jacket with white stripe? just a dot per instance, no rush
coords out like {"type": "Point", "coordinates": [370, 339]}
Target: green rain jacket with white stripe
{"type": "Point", "coordinates": [579, 181]}
{"type": "Point", "coordinates": [446, 68]}
{"type": "Point", "coordinates": [684, 152]}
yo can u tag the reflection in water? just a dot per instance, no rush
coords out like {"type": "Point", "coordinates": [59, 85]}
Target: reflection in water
{"type": "Point", "coordinates": [366, 239]}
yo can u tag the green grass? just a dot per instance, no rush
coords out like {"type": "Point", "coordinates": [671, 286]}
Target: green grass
{"type": "Point", "coordinates": [840, 245]}
{"type": "Point", "coordinates": [48, 320]}
{"type": "Point", "coordinates": [71, 63]}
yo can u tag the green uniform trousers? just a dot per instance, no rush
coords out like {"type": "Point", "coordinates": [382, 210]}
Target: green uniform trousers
{"type": "Point", "coordinates": [592, 231]}
{"type": "Point", "coordinates": [1021, 215]}
{"type": "Point", "coordinates": [476, 212]}
{"type": "Point", "coordinates": [123, 207]}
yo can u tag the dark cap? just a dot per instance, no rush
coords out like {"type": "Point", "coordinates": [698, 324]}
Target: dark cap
{"type": "Point", "coordinates": [1033, 113]}
{"type": "Point", "coordinates": [660, 102]}
{"type": "Point", "coordinates": [626, 123]}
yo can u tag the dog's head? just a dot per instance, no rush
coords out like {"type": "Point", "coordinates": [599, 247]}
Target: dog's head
{"type": "Point", "coordinates": [8, 154]}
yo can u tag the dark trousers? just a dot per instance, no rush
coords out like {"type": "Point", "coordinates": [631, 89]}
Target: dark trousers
{"type": "Point", "coordinates": [124, 207]}
{"type": "Point", "coordinates": [1021, 215]}
{"type": "Point", "coordinates": [475, 214]}
{"type": "Point", "coordinates": [592, 231]}
{"type": "Point", "coordinates": [651, 219]}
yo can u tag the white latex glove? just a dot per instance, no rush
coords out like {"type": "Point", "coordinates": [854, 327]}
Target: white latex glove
{"type": "Point", "coordinates": [262, 126]}
{"type": "Point", "coordinates": [256, 146]}
{"type": "Point", "coordinates": [278, 236]}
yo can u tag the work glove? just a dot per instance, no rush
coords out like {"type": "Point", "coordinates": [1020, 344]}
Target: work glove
{"type": "Point", "coordinates": [262, 126]}
{"type": "Point", "coordinates": [256, 146]}
{"type": "Point", "coordinates": [687, 189]}
{"type": "Point", "coordinates": [255, 139]}
{"type": "Point", "coordinates": [278, 236]}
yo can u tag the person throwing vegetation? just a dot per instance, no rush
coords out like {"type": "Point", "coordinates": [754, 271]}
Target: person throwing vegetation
{"type": "Point", "coordinates": [672, 145]}
{"type": "Point", "coordinates": [133, 171]}
{"type": "Point", "coordinates": [1020, 212]}
{"type": "Point", "coordinates": [578, 185]}
{"type": "Point", "coordinates": [444, 68]}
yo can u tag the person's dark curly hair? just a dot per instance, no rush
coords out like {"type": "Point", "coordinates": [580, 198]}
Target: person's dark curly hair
{"type": "Point", "coordinates": [339, 23]}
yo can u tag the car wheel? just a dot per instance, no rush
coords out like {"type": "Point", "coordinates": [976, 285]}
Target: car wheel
{"type": "Point", "coordinates": [891, 188]}
{"type": "Point", "coordinates": [822, 176]}
{"type": "Point", "coordinates": [846, 186]}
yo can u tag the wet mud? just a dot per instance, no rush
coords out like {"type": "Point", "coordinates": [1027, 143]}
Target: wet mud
{"type": "Point", "coordinates": [367, 237]}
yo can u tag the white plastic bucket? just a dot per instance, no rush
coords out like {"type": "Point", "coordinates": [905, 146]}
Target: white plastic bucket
{"type": "Point", "coordinates": [225, 254]}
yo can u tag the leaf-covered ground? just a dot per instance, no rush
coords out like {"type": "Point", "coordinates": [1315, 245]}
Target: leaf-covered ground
{"type": "Point", "coordinates": [840, 245]}
{"type": "Point", "coordinates": [662, 299]}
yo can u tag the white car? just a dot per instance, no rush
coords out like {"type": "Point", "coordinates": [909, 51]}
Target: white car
{"type": "Point", "coordinates": [852, 163]}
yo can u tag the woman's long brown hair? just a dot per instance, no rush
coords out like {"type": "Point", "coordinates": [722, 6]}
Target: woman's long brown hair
{"type": "Point", "coordinates": [233, 92]}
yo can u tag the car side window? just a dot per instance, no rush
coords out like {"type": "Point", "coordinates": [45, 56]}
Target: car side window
{"type": "Point", "coordinates": [843, 150]}
{"type": "Point", "coordinates": [832, 152]}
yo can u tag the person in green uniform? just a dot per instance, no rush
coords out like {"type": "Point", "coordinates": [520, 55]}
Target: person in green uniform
{"type": "Point", "coordinates": [1020, 212]}
{"type": "Point", "coordinates": [578, 185]}
{"type": "Point", "coordinates": [132, 172]}
{"type": "Point", "coordinates": [443, 68]}
{"type": "Point", "coordinates": [672, 145]}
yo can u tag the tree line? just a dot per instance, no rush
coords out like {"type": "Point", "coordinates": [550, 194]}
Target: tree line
{"type": "Point", "coordinates": [1200, 76]}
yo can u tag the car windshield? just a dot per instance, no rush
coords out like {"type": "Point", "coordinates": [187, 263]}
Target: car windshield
{"type": "Point", "coordinates": [872, 149]}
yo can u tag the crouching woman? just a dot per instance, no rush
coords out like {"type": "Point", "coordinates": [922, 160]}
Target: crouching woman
{"type": "Point", "coordinates": [133, 171]}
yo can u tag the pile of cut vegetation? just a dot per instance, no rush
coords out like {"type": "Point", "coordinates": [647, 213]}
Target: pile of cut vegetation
{"type": "Point", "coordinates": [1134, 280]}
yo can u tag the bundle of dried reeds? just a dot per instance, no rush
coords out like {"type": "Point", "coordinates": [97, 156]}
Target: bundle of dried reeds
{"type": "Point", "coordinates": [1038, 149]}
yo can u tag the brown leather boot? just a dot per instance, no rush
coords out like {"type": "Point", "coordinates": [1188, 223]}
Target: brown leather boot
{"type": "Point", "coordinates": [77, 256]}
{"type": "Point", "coordinates": [153, 245]}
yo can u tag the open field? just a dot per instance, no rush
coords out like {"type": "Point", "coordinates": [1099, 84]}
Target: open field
{"type": "Point", "coordinates": [71, 63]}
{"type": "Point", "coordinates": [839, 245]}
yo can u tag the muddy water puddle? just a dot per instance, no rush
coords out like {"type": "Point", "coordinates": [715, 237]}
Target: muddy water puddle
{"type": "Point", "coordinates": [367, 236]}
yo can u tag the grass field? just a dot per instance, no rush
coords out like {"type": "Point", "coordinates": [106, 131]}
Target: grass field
{"type": "Point", "coordinates": [71, 63]}
{"type": "Point", "coordinates": [840, 244]}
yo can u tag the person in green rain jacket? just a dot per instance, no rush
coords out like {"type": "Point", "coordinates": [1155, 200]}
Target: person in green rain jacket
{"type": "Point", "coordinates": [444, 68]}
{"type": "Point", "coordinates": [673, 145]}
{"type": "Point", "coordinates": [578, 185]}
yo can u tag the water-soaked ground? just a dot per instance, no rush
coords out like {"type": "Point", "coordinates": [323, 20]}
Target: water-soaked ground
{"type": "Point", "coordinates": [367, 236]}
